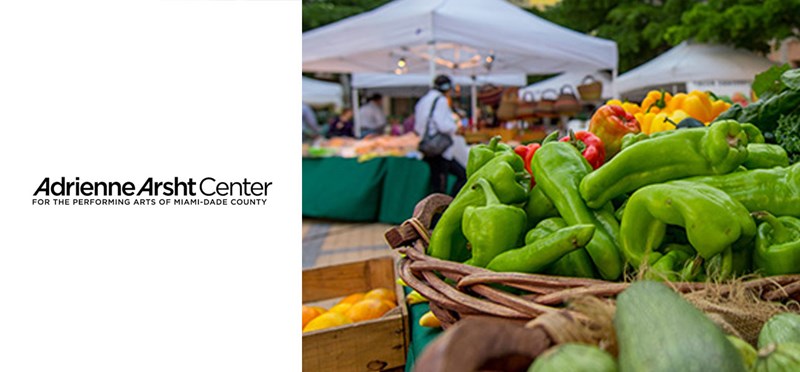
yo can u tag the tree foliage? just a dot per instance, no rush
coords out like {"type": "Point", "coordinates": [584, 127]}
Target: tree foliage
{"type": "Point", "coordinates": [749, 24]}
{"type": "Point", "coordinates": [318, 13]}
{"type": "Point", "coordinates": [639, 27]}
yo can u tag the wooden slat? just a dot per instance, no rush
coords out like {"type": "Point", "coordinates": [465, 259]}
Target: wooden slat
{"type": "Point", "coordinates": [341, 280]}
{"type": "Point", "coordinates": [373, 345]}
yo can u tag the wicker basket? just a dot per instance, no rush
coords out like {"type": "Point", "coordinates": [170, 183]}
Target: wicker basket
{"type": "Point", "coordinates": [590, 89]}
{"type": "Point", "coordinates": [456, 291]}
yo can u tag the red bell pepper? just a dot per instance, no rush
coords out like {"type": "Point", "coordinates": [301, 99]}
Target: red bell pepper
{"type": "Point", "coordinates": [610, 123]}
{"type": "Point", "coordinates": [590, 146]}
{"type": "Point", "coordinates": [526, 153]}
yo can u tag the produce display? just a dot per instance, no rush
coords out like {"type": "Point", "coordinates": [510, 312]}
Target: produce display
{"type": "Point", "coordinates": [364, 148]}
{"type": "Point", "coordinates": [356, 307]}
{"type": "Point", "coordinates": [712, 201]}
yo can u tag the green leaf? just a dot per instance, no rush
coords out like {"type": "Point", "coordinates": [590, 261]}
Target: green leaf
{"type": "Point", "coordinates": [769, 82]}
{"type": "Point", "coordinates": [791, 79]}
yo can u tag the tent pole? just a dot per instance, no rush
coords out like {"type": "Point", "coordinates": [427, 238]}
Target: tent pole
{"type": "Point", "coordinates": [432, 62]}
{"type": "Point", "coordinates": [614, 93]}
{"type": "Point", "coordinates": [356, 116]}
{"type": "Point", "coordinates": [474, 102]}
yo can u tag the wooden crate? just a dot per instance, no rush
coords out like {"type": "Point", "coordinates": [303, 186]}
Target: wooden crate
{"type": "Point", "coordinates": [373, 345]}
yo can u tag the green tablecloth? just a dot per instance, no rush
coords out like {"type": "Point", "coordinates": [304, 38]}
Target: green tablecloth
{"type": "Point", "coordinates": [382, 189]}
{"type": "Point", "coordinates": [420, 336]}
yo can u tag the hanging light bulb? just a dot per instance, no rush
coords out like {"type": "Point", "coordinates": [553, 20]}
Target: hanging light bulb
{"type": "Point", "coordinates": [401, 62]}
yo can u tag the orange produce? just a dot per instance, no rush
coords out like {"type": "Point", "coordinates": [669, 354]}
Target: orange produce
{"type": "Point", "coordinates": [368, 308]}
{"type": "Point", "coordinates": [341, 308]}
{"type": "Point", "coordinates": [309, 313]}
{"type": "Point", "coordinates": [382, 294]}
{"type": "Point", "coordinates": [327, 320]}
{"type": "Point", "coordinates": [353, 298]}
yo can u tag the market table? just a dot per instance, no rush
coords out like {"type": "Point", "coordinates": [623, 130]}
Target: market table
{"type": "Point", "coordinates": [382, 189]}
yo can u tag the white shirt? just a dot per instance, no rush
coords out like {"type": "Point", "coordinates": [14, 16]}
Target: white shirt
{"type": "Point", "coordinates": [371, 116]}
{"type": "Point", "coordinates": [442, 118]}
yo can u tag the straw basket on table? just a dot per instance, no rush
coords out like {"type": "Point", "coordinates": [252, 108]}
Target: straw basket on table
{"type": "Point", "coordinates": [458, 291]}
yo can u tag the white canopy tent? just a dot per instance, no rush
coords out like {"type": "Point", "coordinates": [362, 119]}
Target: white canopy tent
{"type": "Point", "coordinates": [317, 92]}
{"type": "Point", "coordinates": [572, 79]}
{"type": "Point", "coordinates": [456, 37]}
{"type": "Point", "coordinates": [416, 85]}
{"type": "Point", "coordinates": [718, 68]}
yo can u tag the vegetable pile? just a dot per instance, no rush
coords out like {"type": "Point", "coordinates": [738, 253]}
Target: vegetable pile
{"type": "Point", "coordinates": [690, 203]}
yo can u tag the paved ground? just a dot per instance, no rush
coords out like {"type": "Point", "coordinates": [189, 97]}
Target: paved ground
{"type": "Point", "coordinates": [332, 242]}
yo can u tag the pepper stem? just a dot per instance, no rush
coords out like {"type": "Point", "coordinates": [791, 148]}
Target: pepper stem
{"type": "Point", "coordinates": [491, 197]}
{"type": "Point", "coordinates": [575, 142]}
{"type": "Point", "coordinates": [552, 137]}
{"type": "Point", "coordinates": [661, 103]}
{"type": "Point", "coordinates": [779, 231]}
{"type": "Point", "coordinates": [493, 143]}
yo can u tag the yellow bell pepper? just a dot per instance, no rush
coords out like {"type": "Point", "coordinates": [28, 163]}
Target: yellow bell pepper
{"type": "Point", "coordinates": [631, 108]}
{"type": "Point", "coordinates": [718, 107]}
{"type": "Point", "coordinates": [676, 102]}
{"type": "Point", "coordinates": [645, 120]}
{"type": "Point", "coordinates": [614, 102]}
{"type": "Point", "coordinates": [698, 106]}
{"type": "Point", "coordinates": [655, 99]}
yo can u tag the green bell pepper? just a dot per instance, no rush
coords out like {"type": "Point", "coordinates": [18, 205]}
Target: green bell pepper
{"type": "Point", "coordinates": [775, 190]}
{"type": "Point", "coordinates": [539, 207]}
{"type": "Point", "coordinates": [558, 168]}
{"type": "Point", "coordinates": [668, 267]}
{"type": "Point", "coordinates": [534, 257]}
{"type": "Point", "coordinates": [777, 244]}
{"type": "Point", "coordinates": [493, 228]}
{"type": "Point", "coordinates": [717, 149]}
{"type": "Point", "coordinates": [447, 239]}
{"type": "Point", "coordinates": [712, 219]}
{"type": "Point", "coordinates": [479, 155]}
{"type": "Point", "coordinates": [765, 155]}
{"type": "Point", "coordinates": [576, 263]}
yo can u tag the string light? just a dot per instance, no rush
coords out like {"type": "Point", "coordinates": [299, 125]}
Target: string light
{"type": "Point", "coordinates": [401, 62]}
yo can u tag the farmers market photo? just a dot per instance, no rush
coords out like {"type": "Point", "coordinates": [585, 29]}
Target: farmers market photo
{"type": "Point", "coordinates": [550, 185]}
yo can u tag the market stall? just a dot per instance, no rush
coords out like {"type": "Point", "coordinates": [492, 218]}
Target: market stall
{"type": "Point", "coordinates": [692, 66]}
{"type": "Point", "coordinates": [322, 93]}
{"type": "Point", "coordinates": [466, 38]}
{"type": "Point", "coordinates": [375, 179]}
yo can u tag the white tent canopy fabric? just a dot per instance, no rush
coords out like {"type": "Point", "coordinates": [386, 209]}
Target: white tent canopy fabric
{"type": "Point", "coordinates": [573, 79]}
{"type": "Point", "coordinates": [378, 80]}
{"type": "Point", "coordinates": [317, 92]}
{"type": "Point", "coordinates": [698, 64]}
{"type": "Point", "coordinates": [453, 36]}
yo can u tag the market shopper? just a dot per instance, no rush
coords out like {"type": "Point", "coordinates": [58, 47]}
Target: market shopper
{"type": "Point", "coordinates": [311, 128]}
{"type": "Point", "coordinates": [434, 105]}
{"type": "Point", "coordinates": [373, 120]}
{"type": "Point", "coordinates": [342, 125]}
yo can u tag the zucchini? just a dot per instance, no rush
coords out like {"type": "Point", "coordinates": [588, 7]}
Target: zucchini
{"type": "Point", "coordinates": [659, 331]}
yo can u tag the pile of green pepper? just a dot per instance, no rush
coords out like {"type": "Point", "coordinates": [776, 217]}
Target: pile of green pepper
{"type": "Point", "coordinates": [689, 204]}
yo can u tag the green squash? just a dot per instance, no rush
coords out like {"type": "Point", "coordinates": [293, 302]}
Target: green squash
{"type": "Point", "coordinates": [659, 331]}
{"type": "Point", "coordinates": [780, 328]}
{"type": "Point", "coordinates": [783, 357]}
{"type": "Point", "coordinates": [748, 352]}
{"type": "Point", "coordinates": [574, 358]}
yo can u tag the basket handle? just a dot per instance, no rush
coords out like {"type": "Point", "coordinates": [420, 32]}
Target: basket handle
{"type": "Point", "coordinates": [419, 225]}
{"type": "Point", "coordinates": [567, 89]}
{"type": "Point", "coordinates": [527, 96]}
{"type": "Point", "coordinates": [555, 94]}
{"type": "Point", "coordinates": [588, 79]}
